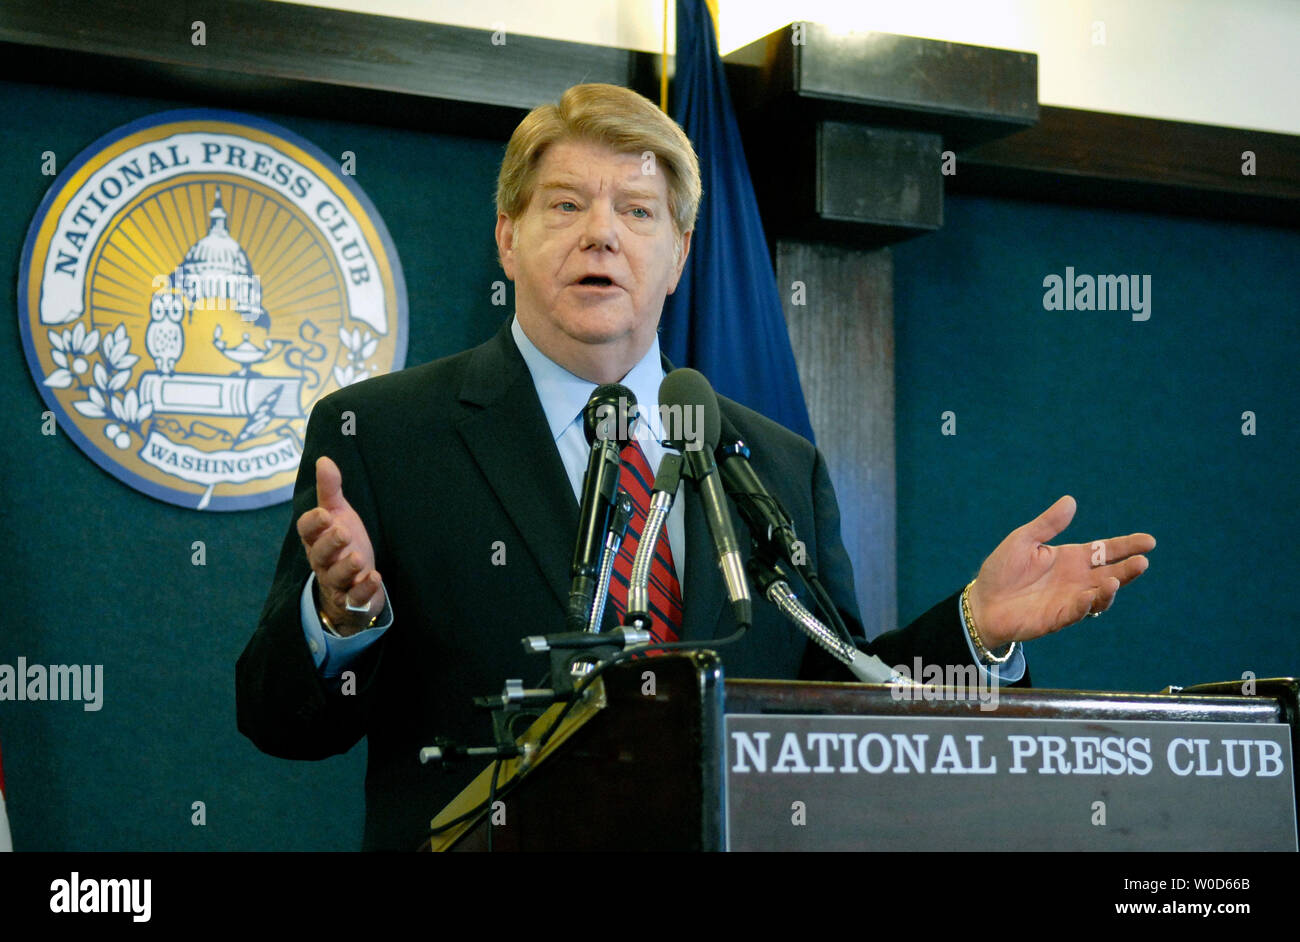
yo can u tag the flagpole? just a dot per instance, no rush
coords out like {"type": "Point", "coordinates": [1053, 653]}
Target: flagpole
{"type": "Point", "coordinates": [727, 298]}
{"type": "Point", "coordinates": [663, 66]}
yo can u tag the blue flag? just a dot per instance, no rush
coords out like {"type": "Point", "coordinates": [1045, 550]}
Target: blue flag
{"type": "Point", "coordinates": [725, 318]}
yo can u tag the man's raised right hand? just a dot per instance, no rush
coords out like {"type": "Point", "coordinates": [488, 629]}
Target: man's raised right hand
{"type": "Point", "coordinates": [339, 551]}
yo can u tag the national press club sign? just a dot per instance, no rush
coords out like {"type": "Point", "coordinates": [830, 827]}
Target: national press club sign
{"type": "Point", "coordinates": [191, 285]}
{"type": "Point", "coordinates": [920, 783]}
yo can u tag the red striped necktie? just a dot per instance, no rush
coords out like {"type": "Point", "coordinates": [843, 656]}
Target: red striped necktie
{"type": "Point", "coordinates": [664, 591]}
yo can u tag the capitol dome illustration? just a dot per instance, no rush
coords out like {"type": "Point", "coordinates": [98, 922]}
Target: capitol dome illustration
{"type": "Point", "coordinates": [216, 273]}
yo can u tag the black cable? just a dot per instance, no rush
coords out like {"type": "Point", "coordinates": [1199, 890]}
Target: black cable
{"type": "Point", "coordinates": [522, 715]}
{"type": "Point", "coordinates": [827, 605]}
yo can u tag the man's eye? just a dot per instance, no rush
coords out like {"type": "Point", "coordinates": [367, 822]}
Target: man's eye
{"type": "Point", "coordinates": [566, 205]}
{"type": "Point", "coordinates": [645, 213]}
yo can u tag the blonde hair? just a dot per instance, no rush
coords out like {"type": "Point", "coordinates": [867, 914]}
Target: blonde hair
{"type": "Point", "coordinates": [611, 115]}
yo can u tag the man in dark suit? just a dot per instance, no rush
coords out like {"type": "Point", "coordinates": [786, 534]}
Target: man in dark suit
{"type": "Point", "coordinates": [461, 479]}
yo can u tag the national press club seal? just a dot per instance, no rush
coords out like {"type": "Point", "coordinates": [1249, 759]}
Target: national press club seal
{"type": "Point", "coordinates": [191, 285]}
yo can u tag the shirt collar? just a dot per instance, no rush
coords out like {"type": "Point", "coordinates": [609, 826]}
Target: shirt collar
{"type": "Point", "coordinates": [563, 394]}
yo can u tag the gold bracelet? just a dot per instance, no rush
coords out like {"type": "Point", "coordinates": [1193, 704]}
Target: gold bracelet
{"type": "Point", "coordinates": [985, 655]}
{"type": "Point", "coordinates": [329, 625]}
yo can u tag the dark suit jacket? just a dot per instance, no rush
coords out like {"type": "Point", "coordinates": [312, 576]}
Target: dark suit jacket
{"type": "Point", "coordinates": [450, 463]}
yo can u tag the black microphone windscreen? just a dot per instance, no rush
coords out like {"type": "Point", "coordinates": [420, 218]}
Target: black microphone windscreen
{"type": "Point", "coordinates": [607, 414]}
{"type": "Point", "coordinates": [688, 389]}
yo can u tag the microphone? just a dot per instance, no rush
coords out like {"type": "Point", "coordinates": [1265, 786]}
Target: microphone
{"type": "Point", "coordinates": [773, 583]}
{"type": "Point", "coordinates": [769, 525]}
{"type": "Point", "coordinates": [683, 390]}
{"type": "Point", "coordinates": [604, 420]}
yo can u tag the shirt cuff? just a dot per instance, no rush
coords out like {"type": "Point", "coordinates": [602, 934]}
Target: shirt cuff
{"type": "Point", "coordinates": [332, 653]}
{"type": "Point", "coordinates": [1008, 673]}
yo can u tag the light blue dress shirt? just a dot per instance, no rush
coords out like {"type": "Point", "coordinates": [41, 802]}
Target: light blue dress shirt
{"type": "Point", "coordinates": [563, 396]}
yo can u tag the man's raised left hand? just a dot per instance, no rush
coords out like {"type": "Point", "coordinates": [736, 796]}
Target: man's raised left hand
{"type": "Point", "coordinates": [1027, 589]}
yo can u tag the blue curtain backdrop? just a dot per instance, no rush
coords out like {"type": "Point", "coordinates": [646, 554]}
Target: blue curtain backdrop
{"type": "Point", "coordinates": [725, 319]}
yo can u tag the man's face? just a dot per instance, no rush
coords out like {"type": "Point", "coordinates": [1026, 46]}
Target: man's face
{"type": "Point", "coordinates": [592, 258]}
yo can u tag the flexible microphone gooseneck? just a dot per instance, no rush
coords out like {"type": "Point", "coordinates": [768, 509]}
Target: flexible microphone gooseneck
{"type": "Point", "coordinates": [661, 502]}
{"type": "Point", "coordinates": [774, 583]}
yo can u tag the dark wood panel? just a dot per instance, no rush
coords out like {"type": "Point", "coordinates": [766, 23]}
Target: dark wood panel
{"type": "Point", "coordinates": [306, 59]}
{"type": "Point", "coordinates": [644, 774]}
{"type": "Point", "coordinates": [832, 181]}
{"type": "Point", "coordinates": [1140, 163]}
{"type": "Point", "coordinates": [843, 341]}
{"type": "Point", "coordinates": [878, 176]}
{"type": "Point", "coordinates": [966, 93]}
{"type": "Point", "coordinates": [867, 116]}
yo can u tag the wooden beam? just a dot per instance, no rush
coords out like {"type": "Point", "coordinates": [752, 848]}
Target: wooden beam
{"type": "Point", "coordinates": [965, 93]}
{"type": "Point", "coordinates": [316, 61]}
{"type": "Point", "coordinates": [1127, 162]}
{"type": "Point", "coordinates": [406, 73]}
{"type": "Point", "coordinates": [844, 132]}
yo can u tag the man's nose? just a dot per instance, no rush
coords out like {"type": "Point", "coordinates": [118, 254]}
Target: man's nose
{"type": "Point", "coordinates": [598, 227]}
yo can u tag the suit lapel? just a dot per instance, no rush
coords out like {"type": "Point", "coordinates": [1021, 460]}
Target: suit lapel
{"type": "Point", "coordinates": [509, 432]}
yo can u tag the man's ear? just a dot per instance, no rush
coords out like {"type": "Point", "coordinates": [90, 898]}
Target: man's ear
{"type": "Point", "coordinates": [505, 234]}
{"type": "Point", "coordinates": [684, 249]}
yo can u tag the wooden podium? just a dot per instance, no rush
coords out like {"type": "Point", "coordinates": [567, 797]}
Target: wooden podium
{"type": "Point", "coordinates": [664, 754]}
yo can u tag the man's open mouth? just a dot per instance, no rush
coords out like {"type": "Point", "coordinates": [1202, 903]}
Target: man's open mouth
{"type": "Point", "coordinates": [596, 281]}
